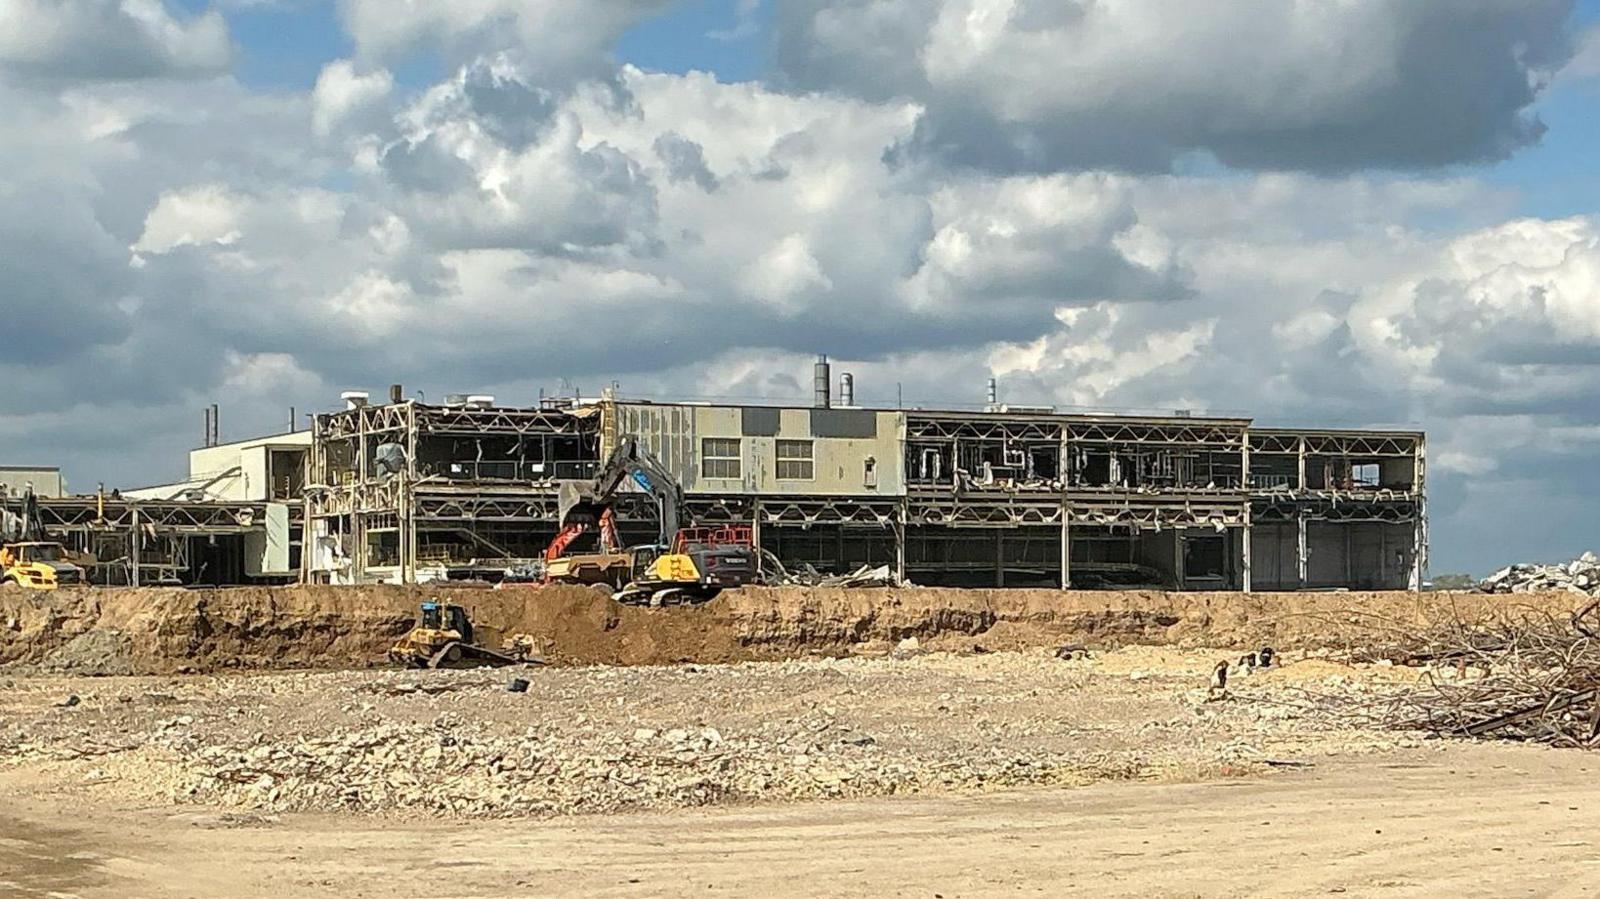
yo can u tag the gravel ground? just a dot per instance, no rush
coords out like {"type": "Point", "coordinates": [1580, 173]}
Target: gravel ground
{"type": "Point", "coordinates": [587, 740]}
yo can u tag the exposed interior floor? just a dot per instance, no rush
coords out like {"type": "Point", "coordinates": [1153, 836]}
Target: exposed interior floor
{"type": "Point", "coordinates": [1451, 819]}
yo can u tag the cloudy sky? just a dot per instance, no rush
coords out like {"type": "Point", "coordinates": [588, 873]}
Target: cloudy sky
{"type": "Point", "coordinates": [1340, 212]}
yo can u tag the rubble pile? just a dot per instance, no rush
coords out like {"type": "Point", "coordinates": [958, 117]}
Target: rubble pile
{"type": "Point", "coordinates": [807, 576]}
{"type": "Point", "coordinates": [445, 767]}
{"type": "Point", "coordinates": [457, 744]}
{"type": "Point", "coordinates": [1581, 575]}
{"type": "Point", "coordinates": [777, 575]}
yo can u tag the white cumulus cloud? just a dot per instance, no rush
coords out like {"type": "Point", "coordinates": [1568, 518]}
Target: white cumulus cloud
{"type": "Point", "coordinates": [109, 40]}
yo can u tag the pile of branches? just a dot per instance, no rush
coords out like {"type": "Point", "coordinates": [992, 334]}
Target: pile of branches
{"type": "Point", "coordinates": [1523, 676]}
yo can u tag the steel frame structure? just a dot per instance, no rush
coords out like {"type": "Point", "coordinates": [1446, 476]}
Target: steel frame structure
{"type": "Point", "coordinates": [155, 532]}
{"type": "Point", "coordinates": [1074, 497]}
{"type": "Point", "coordinates": [347, 497]}
{"type": "Point", "coordinates": [1299, 502]}
{"type": "Point", "coordinates": [350, 497]}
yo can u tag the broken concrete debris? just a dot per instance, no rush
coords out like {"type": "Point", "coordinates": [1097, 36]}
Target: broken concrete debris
{"type": "Point", "coordinates": [906, 648]}
{"type": "Point", "coordinates": [774, 573]}
{"type": "Point", "coordinates": [600, 739]}
{"type": "Point", "coordinates": [1581, 575]}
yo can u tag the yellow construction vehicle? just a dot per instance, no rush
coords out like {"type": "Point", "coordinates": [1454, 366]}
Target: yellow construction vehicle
{"type": "Point", "coordinates": [442, 638]}
{"type": "Point", "coordinates": [695, 567]}
{"type": "Point", "coordinates": [692, 563]}
{"type": "Point", "coordinates": [29, 560]}
{"type": "Point", "coordinates": [38, 566]}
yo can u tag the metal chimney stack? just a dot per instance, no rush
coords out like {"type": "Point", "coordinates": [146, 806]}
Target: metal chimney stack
{"type": "Point", "coordinates": [994, 392]}
{"type": "Point", "coordinates": [847, 389]}
{"type": "Point", "coordinates": [821, 382]}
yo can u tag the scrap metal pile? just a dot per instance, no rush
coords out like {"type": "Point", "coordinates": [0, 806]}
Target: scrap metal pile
{"type": "Point", "coordinates": [1522, 676]}
{"type": "Point", "coordinates": [775, 574]}
{"type": "Point", "coordinates": [1581, 575]}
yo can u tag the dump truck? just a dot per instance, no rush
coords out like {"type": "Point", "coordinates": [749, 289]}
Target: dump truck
{"type": "Point", "coordinates": [38, 565]}
{"type": "Point", "coordinates": [28, 559]}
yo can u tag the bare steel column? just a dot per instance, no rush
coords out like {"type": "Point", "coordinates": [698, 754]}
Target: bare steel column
{"type": "Point", "coordinates": [1066, 546]}
{"type": "Point", "coordinates": [1300, 548]}
{"type": "Point", "coordinates": [1247, 530]}
{"type": "Point", "coordinates": [135, 545]}
{"type": "Point", "coordinates": [902, 513]}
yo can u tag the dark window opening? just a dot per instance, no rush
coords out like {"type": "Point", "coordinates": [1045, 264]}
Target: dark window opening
{"type": "Point", "coordinates": [1205, 557]}
{"type": "Point", "coordinates": [286, 475]}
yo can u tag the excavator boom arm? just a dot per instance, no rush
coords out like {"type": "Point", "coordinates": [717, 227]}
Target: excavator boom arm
{"type": "Point", "coordinates": [580, 502]}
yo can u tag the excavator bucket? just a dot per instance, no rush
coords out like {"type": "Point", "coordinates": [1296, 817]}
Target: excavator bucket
{"type": "Point", "coordinates": [576, 503]}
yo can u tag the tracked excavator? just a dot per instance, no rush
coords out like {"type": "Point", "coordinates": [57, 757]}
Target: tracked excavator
{"type": "Point", "coordinates": [685, 564]}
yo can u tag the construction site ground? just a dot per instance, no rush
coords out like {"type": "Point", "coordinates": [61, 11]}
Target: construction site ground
{"type": "Point", "coordinates": [1468, 821]}
{"type": "Point", "coordinates": [789, 743]}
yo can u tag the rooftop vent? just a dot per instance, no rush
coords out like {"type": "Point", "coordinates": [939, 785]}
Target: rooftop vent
{"type": "Point", "coordinates": [821, 378]}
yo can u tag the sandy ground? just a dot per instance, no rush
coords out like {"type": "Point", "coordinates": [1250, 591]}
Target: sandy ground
{"type": "Point", "coordinates": [1457, 820]}
{"type": "Point", "coordinates": [917, 774]}
{"type": "Point", "coordinates": [602, 739]}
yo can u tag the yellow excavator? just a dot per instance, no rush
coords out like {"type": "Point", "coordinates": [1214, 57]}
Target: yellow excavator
{"type": "Point", "coordinates": [684, 564]}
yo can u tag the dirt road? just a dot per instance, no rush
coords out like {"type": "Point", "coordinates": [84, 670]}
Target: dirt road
{"type": "Point", "coordinates": [1459, 820]}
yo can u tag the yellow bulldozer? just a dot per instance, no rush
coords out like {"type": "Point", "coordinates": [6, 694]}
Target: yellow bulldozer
{"type": "Point", "coordinates": [443, 638]}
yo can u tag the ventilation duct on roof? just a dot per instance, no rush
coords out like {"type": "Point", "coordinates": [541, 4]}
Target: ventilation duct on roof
{"type": "Point", "coordinates": [821, 381]}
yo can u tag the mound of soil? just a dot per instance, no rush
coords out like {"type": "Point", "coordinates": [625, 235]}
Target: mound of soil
{"type": "Point", "coordinates": [162, 631]}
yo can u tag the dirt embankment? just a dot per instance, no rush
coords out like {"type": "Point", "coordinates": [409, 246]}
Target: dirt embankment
{"type": "Point", "coordinates": [161, 631]}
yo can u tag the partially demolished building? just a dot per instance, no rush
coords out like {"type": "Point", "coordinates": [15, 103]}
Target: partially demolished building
{"type": "Point", "coordinates": [1003, 496]}
{"type": "Point", "coordinates": [234, 519]}
{"type": "Point", "coordinates": [999, 495]}
{"type": "Point", "coordinates": [406, 491]}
